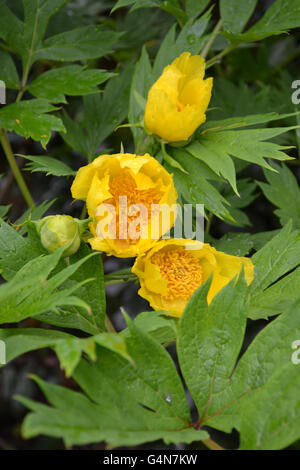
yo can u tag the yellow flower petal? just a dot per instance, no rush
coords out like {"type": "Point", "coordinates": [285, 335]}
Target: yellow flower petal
{"type": "Point", "coordinates": [172, 270]}
{"type": "Point", "coordinates": [144, 182]}
{"type": "Point", "coordinates": [178, 100]}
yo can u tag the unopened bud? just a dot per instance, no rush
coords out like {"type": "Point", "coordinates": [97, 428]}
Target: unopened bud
{"type": "Point", "coordinates": [57, 230]}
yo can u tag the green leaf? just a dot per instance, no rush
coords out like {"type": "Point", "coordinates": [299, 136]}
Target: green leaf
{"type": "Point", "coordinates": [263, 389]}
{"type": "Point", "coordinates": [48, 165]}
{"type": "Point", "coordinates": [140, 4]}
{"type": "Point", "coordinates": [249, 145]}
{"type": "Point", "coordinates": [159, 327]}
{"type": "Point", "coordinates": [8, 74]}
{"type": "Point", "coordinates": [235, 14]}
{"type": "Point", "coordinates": [31, 292]}
{"type": "Point", "coordinates": [30, 118]}
{"type": "Point", "coordinates": [91, 293]}
{"type": "Point", "coordinates": [276, 258]}
{"type": "Point", "coordinates": [280, 17]}
{"type": "Point", "coordinates": [195, 188]}
{"type": "Point", "coordinates": [15, 250]}
{"type": "Point", "coordinates": [193, 8]}
{"type": "Point", "coordinates": [37, 14]}
{"type": "Point", "coordinates": [207, 352]}
{"type": "Point", "coordinates": [216, 158]}
{"type": "Point", "coordinates": [69, 351]}
{"type": "Point", "coordinates": [242, 121]}
{"type": "Point", "coordinates": [236, 244]}
{"type": "Point", "coordinates": [277, 298]}
{"type": "Point", "coordinates": [246, 195]}
{"type": "Point", "coordinates": [87, 42]}
{"type": "Point", "coordinates": [141, 83]}
{"type": "Point", "coordinates": [283, 191]}
{"type": "Point", "coordinates": [4, 211]}
{"type": "Point", "coordinates": [72, 80]}
{"type": "Point", "coordinates": [11, 28]}
{"type": "Point", "coordinates": [190, 39]}
{"type": "Point", "coordinates": [34, 214]}
{"type": "Point", "coordinates": [101, 115]}
{"type": "Point", "coordinates": [18, 341]}
{"type": "Point", "coordinates": [117, 388]}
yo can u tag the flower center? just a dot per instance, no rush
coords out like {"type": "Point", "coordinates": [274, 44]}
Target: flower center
{"type": "Point", "coordinates": [180, 106]}
{"type": "Point", "coordinates": [182, 271]}
{"type": "Point", "coordinates": [124, 185]}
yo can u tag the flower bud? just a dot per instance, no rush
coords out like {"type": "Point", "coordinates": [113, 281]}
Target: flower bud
{"type": "Point", "coordinates": [57, 230]}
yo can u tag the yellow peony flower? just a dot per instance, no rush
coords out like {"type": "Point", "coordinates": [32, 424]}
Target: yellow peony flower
{"type": "Point", "coordinates": [121, 191]}
{"type": "Point", "coordinates": [173, 269]}
{"type": "Point", "coordinates": [178, 100]}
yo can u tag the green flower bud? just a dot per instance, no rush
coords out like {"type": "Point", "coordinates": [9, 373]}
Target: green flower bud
{"type": "Point", "coordinates": [57, 230]}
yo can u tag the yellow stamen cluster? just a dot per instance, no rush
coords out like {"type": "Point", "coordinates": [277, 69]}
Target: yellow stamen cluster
{"type": "Point", "coordinates": [124, 184]}
{"type": "Point", "coordinates": [182, 271]}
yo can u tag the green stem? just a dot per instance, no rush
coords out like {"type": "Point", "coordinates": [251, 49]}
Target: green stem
{"type": "Point", "coordinates": [109, 326]}
{"type": "Point", "coordinates": [208, 223]}
{"type": "Point", "coordinates": [219, 56]}
{"type": "Point", "coordinates": [212, 445]}
{"type": "Point", "coordinates": [15, 169]}
{"type": "Point", "coordinates": [211, 39]}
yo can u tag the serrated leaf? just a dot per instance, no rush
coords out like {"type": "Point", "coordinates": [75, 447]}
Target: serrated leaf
{"type": "Point", "coordinates": [216, 158]}
{"type": "Point", "coordinates": [37, 14]}
{"type": "Point", "coordinates": [30, 118]}
{"type": "Point", "coordinates": [91, 293]}
{"type": "Point", "coordinates": [48, 165]}
{"type": "Point", "coordinates": [86, 42]}
{"type": "Point", "coordinates": [249, 145]}
{"type": "Point", "coordinates": [207, 352]}
{"type": "Point", "coordinates": [71, 80]}
{"type": "Point", "coordinates": [283, 191]}
{"type": "Point", "coordinates": [195, 187]}
{"type": "Point", "coordinates": [8, 73]}
{"type": "Point", "coordinates": [280, 17]}
{"type": "Point", "coordinates": [101, 115]}
{"type": "Point", "coordinates": [235, 14]}
{"type": "Point", "coordinates": [236, 244]}
{"type": "Point", "coordinates": [158, 326]}
{"type": "Point", "coordinates": [263, 389]}
{"type": "Point", "coordinates": [190, 39]}
{"type": "Point", "coordinates": [276, 258]}
{"type": "Point", "coordinates": [31, 292]}
{"type": "Point", "coordinates": [118, 388]}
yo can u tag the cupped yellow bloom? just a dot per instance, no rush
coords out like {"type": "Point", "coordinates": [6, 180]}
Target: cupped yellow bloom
{"type": "Point", "coordinates": [174, 269]}
{"type": "Point", "coordinates": [125, 195]}
{"type": "Point", "coordinates": [178, 100]}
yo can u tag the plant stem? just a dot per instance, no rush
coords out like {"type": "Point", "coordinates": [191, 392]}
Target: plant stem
{"type": "Point", "coordinates": [219, 56]}
{"type": "Point", "coordinates": [15, 169]}
{"type": "Point", "coordinates": [212, 445]}
{"type": "Point", "coordinates": [208, 223]}
{"type": "Point", "coordinates": [211, 39]}
{"type": "Point", "coordinates": [109, 326]}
